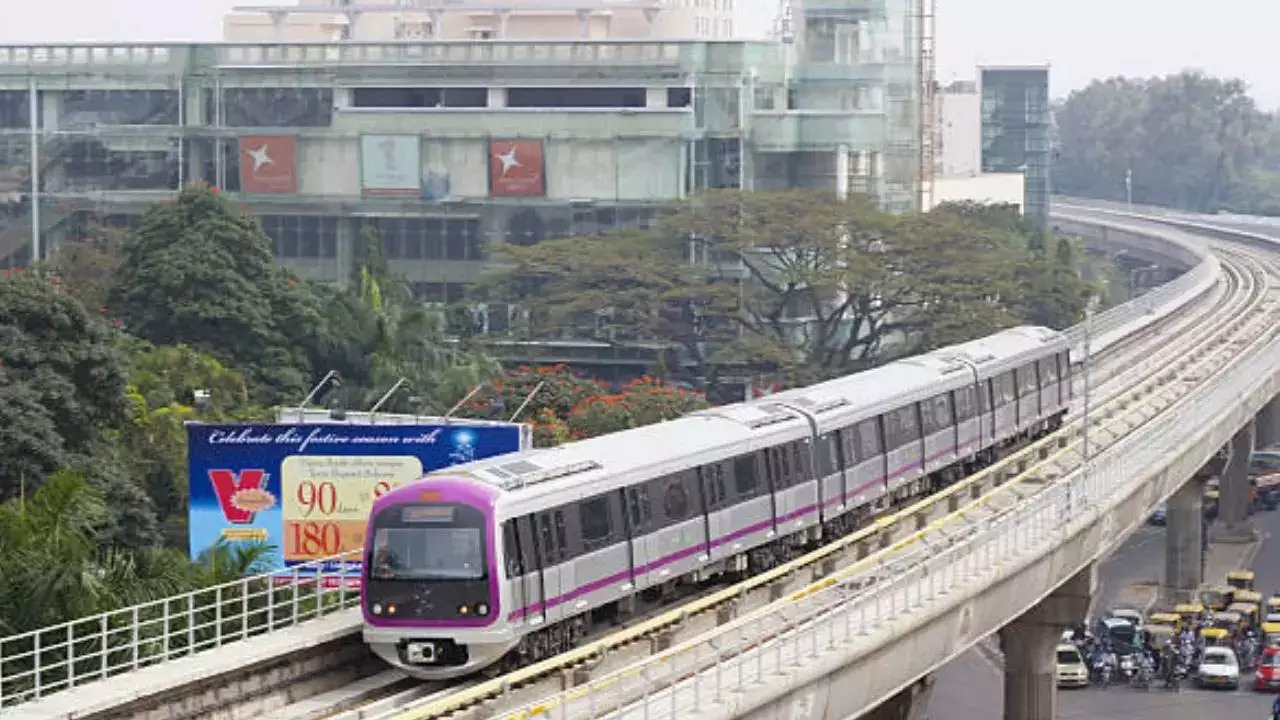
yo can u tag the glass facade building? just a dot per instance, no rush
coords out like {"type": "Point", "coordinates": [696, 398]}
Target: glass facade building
{"type": "Point", "coordinates": [1016, 131]}
{"type": "Point", "coordinates": [448, 147]}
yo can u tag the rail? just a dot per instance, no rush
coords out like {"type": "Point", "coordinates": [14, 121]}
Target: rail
{"type": "Point", "coordinates": [38, 663]}
{"type": "Point", "coordinates": [950, 557]}
{"type": "Point", "coordinates": [867, 540]}
{"type": "Point", "coordinates": [41, 662]}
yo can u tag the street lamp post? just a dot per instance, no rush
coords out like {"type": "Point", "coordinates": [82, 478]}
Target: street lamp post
{"type": "Point", "coordinates": [1128, 188]}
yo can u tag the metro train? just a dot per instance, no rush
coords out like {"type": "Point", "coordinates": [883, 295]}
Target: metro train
{"type": "Point", "coordinates": [498, 563]}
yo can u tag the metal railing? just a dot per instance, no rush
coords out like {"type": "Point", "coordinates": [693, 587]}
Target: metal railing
{"type": "Point", "coordinates": [41, 662]}
{"type": "Point", "coordinates": [866, 607]}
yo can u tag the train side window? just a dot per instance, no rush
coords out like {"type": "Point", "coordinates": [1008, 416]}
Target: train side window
{"type": "Point", "coordinates": [937, 413]}
{"type": "Point", "coordinates": [803, 460]}
{"type": "Point", "coordinates": [1048, 372]}
{"type": "Point", "coordinates": [849, 441]}
{"type": "Point", "coordinates": [784, 460]}
{"type": "Point", "coordinates": [744, 475]}
{"type": "Point", "coordinates": [1005, 389]}
{"type": "Point", "coordinates": [1027, 381]}
{"type": "Point", "coordinates": [511, 548]}
{"type": "Point", "coordinates": [593, 514]}
{"type": "Point", "coordinates": [828, 462]}
{"type": "Point", "coordinates": [963, 400]}
{"type": "Point", "coordinates": [984, 397]}
{"type": "Point", "coordinates": [902, 427]}
{"type": "Point", "coordinates": [720, 482]}
{"type": "Point", "coordinates": [870, 444]}
{"type": "Point", "coordinates": [675, 498]}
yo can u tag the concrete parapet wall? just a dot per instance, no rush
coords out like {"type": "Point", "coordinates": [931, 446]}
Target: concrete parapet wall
{"type": "Point", "coordinates": [851, 681]}
{"type": "Point", "coordinates": [246, 679]}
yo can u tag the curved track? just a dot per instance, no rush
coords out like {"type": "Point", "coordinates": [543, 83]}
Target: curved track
{"type": "Point", "coordinates": [1114, 378]}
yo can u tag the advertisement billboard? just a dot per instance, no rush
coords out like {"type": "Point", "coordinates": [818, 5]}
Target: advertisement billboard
{"type": "Point", "coordinates": [307, 488]}
{"type": "Point", "coordinates": [516, 168]}
{"type": "Point", "coordinates": [268, 164]}
{"type": "Point", "coordinates": [390, 165]}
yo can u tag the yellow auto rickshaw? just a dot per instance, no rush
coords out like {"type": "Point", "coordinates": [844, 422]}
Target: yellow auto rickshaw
{"type": "Point", "coordinates": [1240, 579]}
{"type": "Point", "coordinates": [1215, 636]}
{"type": "Point", "coordinates": [1173, 620]}
{"type": "Point", "coordinates": [1271, 634]}
{"type": "Point", "coordinates": [1218, 597]}
{"type": "Point", "coordinates": [1190, 612]}
{"type": "Point", "coordinates": [1248, 596]}
{"type": "Point", "coordinates": [1247, 610]}
{"type": "Point", "coordinates": [1273, 605]}
{"type": "Point", "coordinates": [1228, 620]}
{"type": "Point", "coordinates": [1160, 635]}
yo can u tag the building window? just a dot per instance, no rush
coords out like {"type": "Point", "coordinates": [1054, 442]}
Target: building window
{"type": "Point", "coordinates": [275, 107]}
{"type": "Point", "coordinates": [439, 292]}
{"type": "Point", "coordinates": [15, 109]}
{"type": "Point", "coordinates": [430, 238]}
{"type": "Point", "coordinates": [119, 107]}
{"type": "Point", "coordinates": [88, 164]}
{"type": "Point", "coordinates": [302, 236]}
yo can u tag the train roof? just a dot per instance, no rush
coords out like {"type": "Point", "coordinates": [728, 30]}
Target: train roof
{"type": "Point", "coordinates": [623, 458]}
{"type": "Point", "coordinates": [849, 399]}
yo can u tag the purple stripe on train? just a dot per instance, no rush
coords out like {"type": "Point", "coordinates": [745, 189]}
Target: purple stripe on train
{"type": "Point", "coordinates": [623, 577]}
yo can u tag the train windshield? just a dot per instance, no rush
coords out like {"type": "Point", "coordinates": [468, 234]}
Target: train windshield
{"type": "Point", "coordinates": [427, 542]}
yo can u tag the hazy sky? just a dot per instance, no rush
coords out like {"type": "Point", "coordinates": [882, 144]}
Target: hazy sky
{"type": "Point", "coordinates": [1082, 39]}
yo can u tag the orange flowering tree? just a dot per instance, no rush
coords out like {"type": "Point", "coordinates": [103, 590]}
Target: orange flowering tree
{"type": "Point", "coordinates": [572, 407]}
{"type": "Point", "coordinates": [642, 401]}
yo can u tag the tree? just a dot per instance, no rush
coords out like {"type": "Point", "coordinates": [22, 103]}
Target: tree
{"type": "Point", "coordinates": [62, 383]}
{"type": "Point", "coordinates": [1189, 140]}
{"type": "Point", "coordinates": [86, 267]}
{"type": "Point", "coordinates": [641, 402]}
{"type": "Point", "coordinates": [797, 285]}
{"type": "Point", "coordinates": [200, 272]}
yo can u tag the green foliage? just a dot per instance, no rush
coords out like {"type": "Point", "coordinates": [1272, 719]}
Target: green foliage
{"type": "Point", "coordinates": [200, 272]}
{"type": "Point", "coordinates": [1190, 140]}
{"type": "Point", "coordinates": [797, 285]}
{"type": "Point", "coordinates": [61, 380]}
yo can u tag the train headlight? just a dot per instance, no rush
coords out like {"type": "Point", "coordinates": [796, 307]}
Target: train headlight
{"type": "Point", "coordinates": [482, 609]}
{"type": "Point", "coordinates": [463, 609]}
{"type": "Point", "coordinates": [391, 609]}
{"type": "Point", "coordinates": [377, 609]}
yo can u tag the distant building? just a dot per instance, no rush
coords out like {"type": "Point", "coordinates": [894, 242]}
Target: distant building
{"type": "Point", "coordinates": [959, 130]}
{"type": "Point", "coordinates": [381, 21]}
{"type": "Point", "coordinates": [1015, 131]}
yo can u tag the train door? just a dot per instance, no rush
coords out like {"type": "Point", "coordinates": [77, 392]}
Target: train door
{"type": "Point", "coordinates": [551, 561]}
{"type": "Point", "coordinates": [568, 576]}
{"type": "Point", "coordinates": [709, 494]}
{"type": "Point", "coordinates": [640, 517]}
{"type": "Point", "coordinates": [529, 592]}
{"type": "Point", "coordinates": [518, 571]}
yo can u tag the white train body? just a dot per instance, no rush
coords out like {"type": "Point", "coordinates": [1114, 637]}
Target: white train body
{"type": "Point", "coordinates": [581, 533]}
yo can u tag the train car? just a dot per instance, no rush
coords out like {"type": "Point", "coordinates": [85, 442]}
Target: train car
{"type": "Point", "coordinates": [512, 559]}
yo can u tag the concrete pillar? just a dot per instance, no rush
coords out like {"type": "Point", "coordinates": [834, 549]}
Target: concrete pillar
{"type": "Point", "coordinates": [1234, 492]}
{"type": "Point", "coordinates": [910, 704]}
{"type": "Point", "coordinates": [1183, 543]}
{"type": "Point", "coordinates": [1267, 424]}
{"type": "Point", "coordinates": [1030, 682]}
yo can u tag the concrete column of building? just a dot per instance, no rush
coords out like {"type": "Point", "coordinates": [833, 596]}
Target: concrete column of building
{"type": "Point", "coordinates": [910, 704]}
{"type": "Point", "coordinates": [497, 97]}
{"type": "Point", "coordinates": [1184, 542]}
{"type": "Point", "coordinates": [842, 171]}
{"type": "Point", "coordinates": [1267, 425]}
{"type": "Point", "coordinates": [1235, 492]}
{"type": "Point", "coordinates": [1030, 680]}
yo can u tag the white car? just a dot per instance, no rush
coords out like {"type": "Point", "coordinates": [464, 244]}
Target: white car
{"type": "Point", "coordinates": [1219, 668]}
{"type": "Point", "coordinates": [1071, 669]}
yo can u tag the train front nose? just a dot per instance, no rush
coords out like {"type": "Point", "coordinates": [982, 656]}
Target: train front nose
{"type": "Point", "coordinates": [429, 579]}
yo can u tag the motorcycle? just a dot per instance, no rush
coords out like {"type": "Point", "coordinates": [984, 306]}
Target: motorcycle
{"type": "Point", "coordinates": [1102, 670]}
{"type": "Point", "coordinates": [1173, 681]}
{"type": "Point", "coordinates": [1141, 678]}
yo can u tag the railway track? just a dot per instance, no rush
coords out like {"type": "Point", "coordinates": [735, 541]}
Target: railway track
{"type": "Point", "coordinates": [1114, 378]}
{"type": "Point", "coordinates": [719, 653]}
